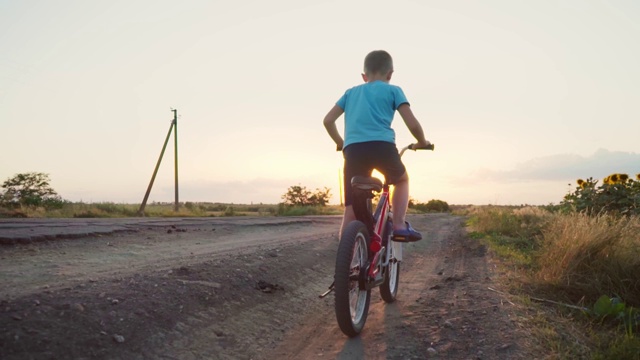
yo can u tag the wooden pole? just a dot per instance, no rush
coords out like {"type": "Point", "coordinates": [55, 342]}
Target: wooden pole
{"type": "Point", "coordinates": [175, 143]}
{"type": "Point", "coordinates": [155, 171]}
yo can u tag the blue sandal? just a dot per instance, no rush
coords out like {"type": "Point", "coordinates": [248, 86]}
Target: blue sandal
{"type": "Point", "coordinates": [406, 235]}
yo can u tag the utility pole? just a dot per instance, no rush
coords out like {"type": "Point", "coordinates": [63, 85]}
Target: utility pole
{"type": "Point", "coordinates": [175, 145]}
{"type": "Point", "coordinates": [174, 125]}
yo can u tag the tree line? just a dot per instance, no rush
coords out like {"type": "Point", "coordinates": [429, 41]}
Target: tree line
{"type": "Point", "coordinates": [33, 189]}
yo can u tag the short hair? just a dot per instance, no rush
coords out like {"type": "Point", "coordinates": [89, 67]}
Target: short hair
{"type": "Point", "coordinates": [378, 62]}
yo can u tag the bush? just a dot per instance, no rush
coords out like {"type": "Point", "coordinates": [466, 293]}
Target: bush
{"type": "Point", "coordinates": [300, 196]}
{"type": "Point", "coordinates": [431, 206]}
{"type": "Point", "coordinates": [30, 190]}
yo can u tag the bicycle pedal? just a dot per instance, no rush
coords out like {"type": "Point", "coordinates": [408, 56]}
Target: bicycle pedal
{"type": "Point", "coordinates": [401, 238]}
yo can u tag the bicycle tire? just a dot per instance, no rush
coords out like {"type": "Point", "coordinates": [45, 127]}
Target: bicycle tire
{"type": "Point", "coordinates": [389, 288]}
{"type": "Point", "coordinates": [352, 302]}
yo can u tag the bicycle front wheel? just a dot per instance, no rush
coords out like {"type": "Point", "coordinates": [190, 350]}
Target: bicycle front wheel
{"type": "Point", "coordinates": [351, 299]}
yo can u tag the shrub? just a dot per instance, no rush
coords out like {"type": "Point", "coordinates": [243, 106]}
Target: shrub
{"type": "Point", "coordinates": [30, 190]}
{"type": "Point", "coordinates": [299, 196]}
{"type": "Point", "coordinates": [431, 206]}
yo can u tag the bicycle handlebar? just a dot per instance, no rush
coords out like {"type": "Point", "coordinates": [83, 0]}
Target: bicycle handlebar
{"type": "Point", "coordinates": [430, 147]}
{"type": "Point", "coordinates": [408, 147]}
{"type": "Point", "coordinates": [412, 147]}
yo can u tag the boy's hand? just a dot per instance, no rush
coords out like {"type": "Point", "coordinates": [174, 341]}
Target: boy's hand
{"type": "Point", "coordinates": [421, 145]}
{"type": "Point", "coordinates": [426, 144]}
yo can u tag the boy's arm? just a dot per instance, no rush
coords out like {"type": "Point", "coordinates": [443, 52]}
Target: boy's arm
{"type": "Point", "coordinates": [330, 124]}
{"type": "Point", "coordinates": [414, 125]}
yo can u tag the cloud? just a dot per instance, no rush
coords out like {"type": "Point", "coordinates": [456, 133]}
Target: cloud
{"type": "Point", "coordinates": [565, 167]}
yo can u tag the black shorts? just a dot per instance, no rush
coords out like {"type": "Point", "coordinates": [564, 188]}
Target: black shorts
{"type": "Point", "coordinates": [361, 158]}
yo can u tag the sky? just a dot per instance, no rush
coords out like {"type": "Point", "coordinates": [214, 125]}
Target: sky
{"type": "Point", "coordinates": [521, 98]}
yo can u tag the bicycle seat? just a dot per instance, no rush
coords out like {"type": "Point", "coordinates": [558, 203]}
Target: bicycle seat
{"type": "Point", "coordinates": [366, 183]}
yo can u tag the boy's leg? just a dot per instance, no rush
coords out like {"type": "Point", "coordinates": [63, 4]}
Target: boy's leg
{"type": "Point", "coordinates": [355, 163]}
{"type": "Point", "coordinates": [400, 202]}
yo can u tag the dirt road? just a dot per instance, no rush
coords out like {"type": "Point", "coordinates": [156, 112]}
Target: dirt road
{"type": "Point", "coordinates": [241, 288]}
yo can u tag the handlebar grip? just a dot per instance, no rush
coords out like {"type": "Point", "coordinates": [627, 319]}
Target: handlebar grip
{"type": "Point", "coordinates": [430, 147]}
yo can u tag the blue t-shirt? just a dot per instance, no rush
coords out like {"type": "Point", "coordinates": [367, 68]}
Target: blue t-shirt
{"type": "Point", "coordinates": [368, 112]}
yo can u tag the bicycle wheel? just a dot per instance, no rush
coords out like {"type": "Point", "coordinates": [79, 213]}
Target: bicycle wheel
{"type": "Point", "coordinates": [389, 288]}
{"type": "Point", "coordinates": [352, 302]}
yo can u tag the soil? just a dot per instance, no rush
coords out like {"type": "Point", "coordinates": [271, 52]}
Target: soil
{"type": "Point", "coordinates": [245, 288]}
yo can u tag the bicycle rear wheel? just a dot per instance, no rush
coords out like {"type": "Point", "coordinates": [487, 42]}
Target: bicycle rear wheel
{"type": "Point", "coordinates": [351, 299]}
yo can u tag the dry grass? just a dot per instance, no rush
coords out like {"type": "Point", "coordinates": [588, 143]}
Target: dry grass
{"type": "Point", "coordinates": [564, 260]}
{"type": "Point", "coordinates": [585, 257]}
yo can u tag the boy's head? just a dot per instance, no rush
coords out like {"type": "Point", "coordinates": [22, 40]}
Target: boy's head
{"type": "Point", "coordinates": [378, 63]}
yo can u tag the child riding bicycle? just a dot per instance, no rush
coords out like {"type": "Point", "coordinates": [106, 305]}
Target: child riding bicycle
{"type": "Point", "coordinates": [369, 141]}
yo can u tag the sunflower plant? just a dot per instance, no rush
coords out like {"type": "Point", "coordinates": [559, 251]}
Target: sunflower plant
{"type": "Point", "coordinates": [618, 194]}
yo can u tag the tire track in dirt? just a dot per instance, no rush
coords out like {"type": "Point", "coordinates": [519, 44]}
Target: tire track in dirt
{"type": "Point", "coordinates": [380, 337]}
{"type": "Point", "coordinates": [443, 308]}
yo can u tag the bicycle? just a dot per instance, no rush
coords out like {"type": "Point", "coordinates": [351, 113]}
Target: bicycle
{"type": "Point", "coordinates": [358, 269]}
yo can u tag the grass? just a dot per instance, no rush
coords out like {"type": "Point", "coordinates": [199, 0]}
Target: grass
{"type": "Point", "coordinates": [576, 261]}
{"type": "Point", "coordinates": [586, 257]}
{"type": "Point", "coordinates": [188, 209]}
{"type": "Point", "coordinates": [284, 210]}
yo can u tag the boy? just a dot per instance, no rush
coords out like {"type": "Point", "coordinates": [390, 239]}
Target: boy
{"type": "Point", "coordinates": [369, 139]}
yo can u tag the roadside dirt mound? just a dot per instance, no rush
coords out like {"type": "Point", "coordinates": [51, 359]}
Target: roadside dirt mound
{"type": "Point", "coordinates": [243, 291]}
